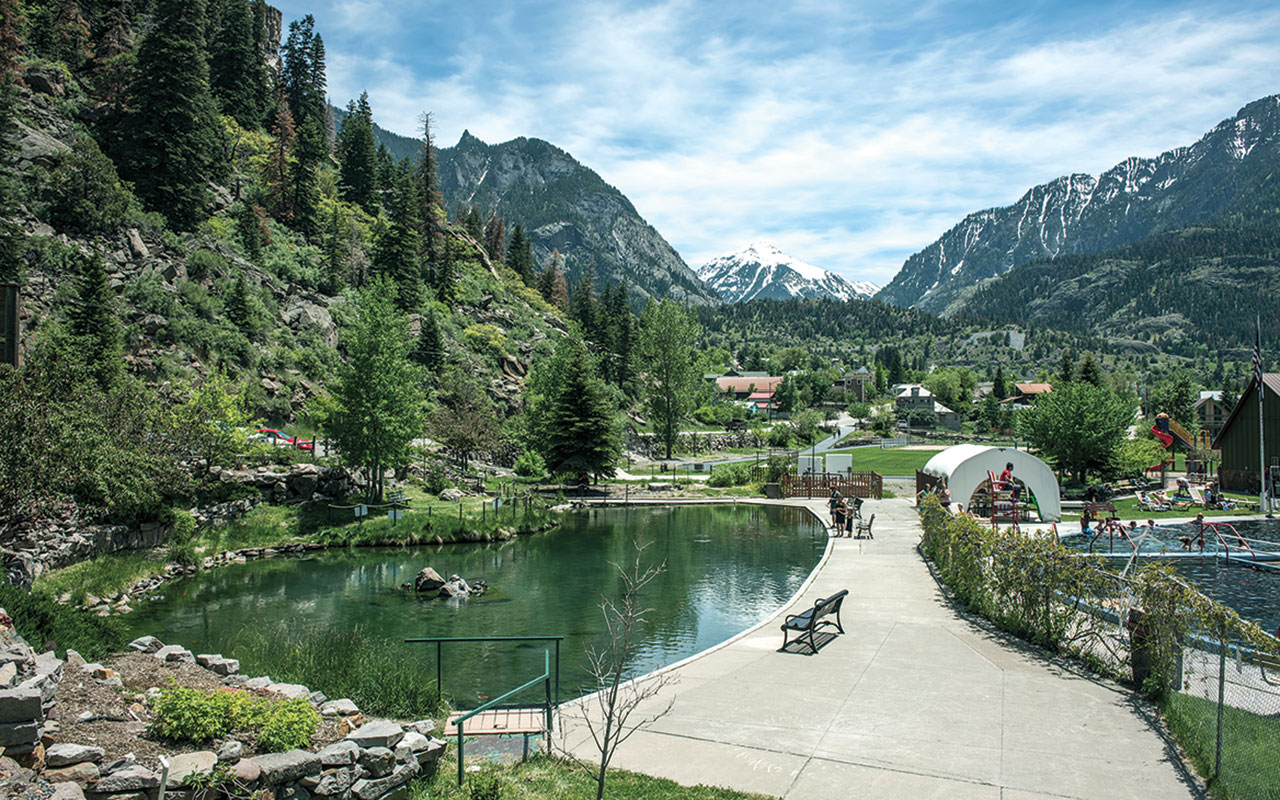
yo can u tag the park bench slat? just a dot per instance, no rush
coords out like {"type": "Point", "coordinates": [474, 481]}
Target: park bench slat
{"type": "Point", "coordinates": [807, 622]}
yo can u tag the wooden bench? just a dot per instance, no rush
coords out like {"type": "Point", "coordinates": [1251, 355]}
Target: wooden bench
{"type": "Point", "coordinates": [807, 622]}
{"type": "Point", "coordinates": [861, 527]}
{"type": "Point", "coordinates": [397, 498]}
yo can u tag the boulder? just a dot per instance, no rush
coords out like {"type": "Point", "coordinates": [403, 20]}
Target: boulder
{"type": "Point", "coordinates": [19, 734]}
{"type": "Point", "coordinates": [340, 754]}
{"type": "Point", "coordinates": [185, 765]}
{"type": "Point", "coordinates": [37, 147]}
{"type": "Point", "coordinates": [300, 314]}
{"type": "Point", "coordinates": [378, 733]}
{"type": "Point", "coordinates": [132, 778]}
{"type": "Point", "coordinates": [231, 750]}
{"type": "Point", "coordinates": [174, 652]}
{"type": "Point", "coordinates": [455, 587]}
{"type": "Point", "coordinates": [293, 691]}
{"type": "Point", "coordinates": [339, 708]}
{"type": "Point", "coordinates": [278, 768]}
{"type": "Point", "coordinates": [79, 774]}
{"type": "Point", "coordinates": [64, 754]}
{"type": "Point", "coordinates": [426, 727]}
{"type": "Point", "coordinates": [379, 761]}
{"type": "Point", "coordinates": [377, 788]}
{"type": "Point", "coordinates": [68, 790]}
{"type": "Point", "coordinates": [451, 495]}
{"type": "Point", "coordinates": [246, 770]}
{"type": "Point", "coordinates": [330, 782]}
{"type": "Point", "coordinates": [46, 80]}
{"type": "Point", "coordinates": [428, 580]}
{"type": "Point", "coordinates": [22, 704]}
{"type": "Point", "coordinates": [136, 244]}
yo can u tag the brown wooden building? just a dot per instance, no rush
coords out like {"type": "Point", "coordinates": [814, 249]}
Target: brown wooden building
{"type": "Point", "coordinates": [1238, 439]}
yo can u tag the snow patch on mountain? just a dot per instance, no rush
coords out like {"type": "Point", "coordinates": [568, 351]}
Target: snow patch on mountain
{"type": "Point", "coordinates": [762, 271]}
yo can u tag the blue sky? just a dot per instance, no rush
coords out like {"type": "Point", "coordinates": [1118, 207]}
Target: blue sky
{"type": "Point", "coordinates": [849, 134]}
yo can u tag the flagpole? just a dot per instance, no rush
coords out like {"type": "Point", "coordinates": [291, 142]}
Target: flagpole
{"type": "Point", "coordinates": [1262, 446]}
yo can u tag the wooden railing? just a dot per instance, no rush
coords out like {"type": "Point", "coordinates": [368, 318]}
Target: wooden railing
{"type": "Point", "coordinates": [856, 484]}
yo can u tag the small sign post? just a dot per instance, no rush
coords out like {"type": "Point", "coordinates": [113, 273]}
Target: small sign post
{"type": "Point", "coordinates": [394, 514]}
{"type": "Point", "coordinates": [361, 511]}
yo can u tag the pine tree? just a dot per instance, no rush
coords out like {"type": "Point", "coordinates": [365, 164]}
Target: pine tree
{"type": "Point", "coordinates": [1066, 373]}
{"type": "Point", "coordinates": [358, 155]}
{"type": "Point", "coordinates": [336, 248]}
{"type": "Point", "coordinates": [237, 71]}
{"type": "Point", "coordinates": [237, 305]}
{"type": "Point", "coordinates": [1089, 372]}
{"type": "Point", "coordinates": [279, 169]}
{"type": "Point", "coordinates": [397, 253]}
{"type": "Point", "coordinates": [172, 140]}
{"type": "Point", "coordinates": [582, 305]}
{"type": "Point", "coordinates": [111, 65]}
{"type": "Point", "coordinates": [1000, 388]}
{"type": "Point", "coordinates": [495, 238]}
{"type": "Point", "coordinates": [474, 224]}
{"type": "Point", "coordinates": [249, 227]}
{"type": "Point", "coordinates": [575, 422]}
{"type": "Point", "coordinates": [429, 349]}
{"type": "Point", "coordinates": [11, 45]}
{"type": "Point", "coordinates": [94, 323]}
{"type": "Point", "coordinates": [310, 150]}
{"type": "Point", "coordinates": [385, 170]}
{"type": "Point", "coordinates": [302, 74]}
{"type": "Point", "coordinates": [520, 254]}
{"type": "Point", "coordinates": [431, 214]}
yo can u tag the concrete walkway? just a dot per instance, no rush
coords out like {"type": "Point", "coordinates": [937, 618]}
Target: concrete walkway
{"type": "Point", "coordinates": [913, 701]}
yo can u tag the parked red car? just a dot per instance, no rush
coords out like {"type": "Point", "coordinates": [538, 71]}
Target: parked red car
{"type": "Point", "coordinates": [280, 437]}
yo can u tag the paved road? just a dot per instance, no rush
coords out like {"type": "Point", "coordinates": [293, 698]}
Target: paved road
{"type": "Point", "coordinates": [913, 702]}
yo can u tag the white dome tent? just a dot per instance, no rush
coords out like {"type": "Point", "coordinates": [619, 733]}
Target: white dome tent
{"type": "Point", "coordinates": [965, 467]}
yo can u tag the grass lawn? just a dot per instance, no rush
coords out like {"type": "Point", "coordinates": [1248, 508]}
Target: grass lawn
{"type": "Point", "coordinates": [890, 461]}
{"type": "Point", "coordinates": [1131, 509]}
{"type": "Point", "coordinates": [1250, 742]}
{"type": "Point", "coordinates": [549, 778]}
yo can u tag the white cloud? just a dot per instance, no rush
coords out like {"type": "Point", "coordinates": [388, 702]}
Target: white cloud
{"type": "Point", "coordinates": [850, 149]}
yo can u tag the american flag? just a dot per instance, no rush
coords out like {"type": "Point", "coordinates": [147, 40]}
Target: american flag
{"type": "Point", "coordinates": [1257, 355]}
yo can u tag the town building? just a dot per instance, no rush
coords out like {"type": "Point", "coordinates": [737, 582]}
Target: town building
{"type": "Point", "coordinates": [1238, 439]}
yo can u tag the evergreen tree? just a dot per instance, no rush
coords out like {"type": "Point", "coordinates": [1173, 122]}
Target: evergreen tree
{"type": "Point", "coordinates": [1000, 388]}
{"type": "Point", "coordinates": [302, 74]}
{"type": "Point", "coordinates": [495, 238]}
{"type": "Point", "coordinates": [582, 305]}
{"type": "Point", "coordinates": [171, 144]}
{"type": "Point", "coordinates": [397, 253]}
{"type": "Point", "coordinates": [279, 168]}
{"type": "Point", "coordinates": [1089, 372]}
{"type": "Point", "coordinates": [520, 254]}
{"type": "Point", "coordinates": [385, 171]}
{"type": "Point", "coordinates": [336, 249]}
{"type": "Point", "coordinates": [12, 239]}
{"type": "Point", "coordinates": [668, 361]}
{"type": "Point", "coordinates": [429, 348]}
{"type": "Point", "coordinates": [1230, 396]}
{"type": "Point", "coordinates": [474, 224]}
{"type": "Point", "coordinates": [94, 323]}
{"type": "Point", "coordinates": [249, 227]}
{"type": "Point", "coordinates": [310, 151]}
{"type": "Point", "coordinates": [237, 306]}
{"type": "Point", "coordinates": [378, 407]}
{"type": "Point", "coordinates": [431, 214]}
{"type": "Point", "coordinates": [112, 61]}
{"type": "Point", "coordinates": [575, 423]}
{"type": "Point", "coordinates": [358, 155]}
{"type": "Point", "coordinates": [237, 71]}
{"type": "Point", "coordinates": [1066, 373]}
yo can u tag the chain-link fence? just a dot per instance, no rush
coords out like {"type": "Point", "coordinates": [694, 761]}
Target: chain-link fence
{"type": "Point", "coordinates": [1226, 709]}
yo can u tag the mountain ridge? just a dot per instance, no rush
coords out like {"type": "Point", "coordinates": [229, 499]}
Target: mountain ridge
{"type": "Point", "coordinates": [1227, 171]}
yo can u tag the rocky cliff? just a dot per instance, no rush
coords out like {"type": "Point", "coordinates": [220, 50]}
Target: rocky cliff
{"type": "Point", "coordinates": [567, 207]}
{"type": "Point", "coordinates": [1226, 173]}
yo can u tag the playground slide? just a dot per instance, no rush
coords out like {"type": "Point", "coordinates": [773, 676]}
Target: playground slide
{"type": "Point", "coordinates": [1165, 438]}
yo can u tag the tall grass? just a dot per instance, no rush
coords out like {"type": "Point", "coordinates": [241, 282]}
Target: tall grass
{"type": "Point", "coordinates": [101, 576]}
{"type": "Point", "coordinates": [42, 622]}
{"type": "Point", "coordinates": [341, 662]}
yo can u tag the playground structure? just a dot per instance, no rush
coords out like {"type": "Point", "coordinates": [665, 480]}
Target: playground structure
{"type": "Point", "coordinates": [1200, 455]}
{"type": "Point", "coordinates": [969, 472]}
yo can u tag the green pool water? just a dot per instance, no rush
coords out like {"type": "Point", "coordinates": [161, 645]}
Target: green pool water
{"type": "Point", "coordinates": [727, 568]}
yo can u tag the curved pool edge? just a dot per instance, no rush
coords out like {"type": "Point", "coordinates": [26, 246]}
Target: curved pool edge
{"type": "Point", "coordinates": [788, 603]}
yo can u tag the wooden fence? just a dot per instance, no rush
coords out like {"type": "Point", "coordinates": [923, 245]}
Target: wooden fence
{"type": "Point", "coordinates": [856, 484]}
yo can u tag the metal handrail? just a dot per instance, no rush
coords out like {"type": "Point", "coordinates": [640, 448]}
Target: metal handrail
{"type": "Point", "coordinates": [440, 640]}
{"type": "Point", "coordinates": [1222, 540]}
{"type": "Point", "coordinates": [545, 678]}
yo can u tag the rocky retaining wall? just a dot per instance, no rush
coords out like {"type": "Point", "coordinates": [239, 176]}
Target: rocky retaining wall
{"type": "Point", "coordinates": [375, 761]}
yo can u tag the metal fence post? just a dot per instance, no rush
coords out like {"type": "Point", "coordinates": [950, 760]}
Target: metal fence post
{"type": "Point", "coordinates": [1222, 681]}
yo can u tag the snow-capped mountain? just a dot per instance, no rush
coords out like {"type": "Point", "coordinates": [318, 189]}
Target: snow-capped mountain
{"type": "Point", "coordinates": [1228, 172]}
{"type": "Point", "coordinates": [762, 271]}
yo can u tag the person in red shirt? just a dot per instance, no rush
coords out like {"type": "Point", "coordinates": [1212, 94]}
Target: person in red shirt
{"type": "Point", "coordinates": [1006, 480]}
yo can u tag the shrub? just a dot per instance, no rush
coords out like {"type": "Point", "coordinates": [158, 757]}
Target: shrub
{"type": "Point", "coordinates": [84, 192]}
{"type": "Point", "coordinates": [736, 474]}
{"type": "Point", "coordinates": [288, 726]}
{"type": "Point", "coordinates": [485, 338]}
{"type": "Point", "coordinates": [530, 465]}
{"type": "Point", "coordinates": [194, 715]}
{"type": "Point", "coordinates": [205, 264]}
{"type": "Point", "coordinates": [437, 479]}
